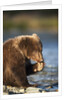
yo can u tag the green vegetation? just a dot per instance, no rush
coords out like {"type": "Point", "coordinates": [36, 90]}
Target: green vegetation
{"type": "Point", "coordinates": [42, 20]}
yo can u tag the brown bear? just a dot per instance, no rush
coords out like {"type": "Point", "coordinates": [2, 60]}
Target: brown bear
{"type": "Point", "coordinates": [17, 53]}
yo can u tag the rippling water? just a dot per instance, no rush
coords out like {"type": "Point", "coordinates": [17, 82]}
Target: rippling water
{"type": "Point", "coordinates": [48, 78]}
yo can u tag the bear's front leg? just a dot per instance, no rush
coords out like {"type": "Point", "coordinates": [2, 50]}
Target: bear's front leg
{"type": "Point", "coordinates": [21, 77]}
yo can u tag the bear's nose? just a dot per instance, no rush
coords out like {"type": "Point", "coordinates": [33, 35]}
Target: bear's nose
{"type": "Point", "coordinates": [42, 61]}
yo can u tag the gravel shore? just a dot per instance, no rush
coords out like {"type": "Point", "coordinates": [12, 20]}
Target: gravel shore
{"type": "Point", "coordinates": [8, 90]}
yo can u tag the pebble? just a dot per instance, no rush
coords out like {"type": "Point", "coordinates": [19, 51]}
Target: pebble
{"type": "Point", "coordinates": [56, 90]}
{"type": "Point", "coordinates": [21, 91]}
{"type": "Point", "coordinates": [43, 91]}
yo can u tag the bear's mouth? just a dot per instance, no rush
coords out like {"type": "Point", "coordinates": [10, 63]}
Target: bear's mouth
{"type": "Point", "coordinates": [37, 61]}
{"type": "Point", "coordinates": [42, 61]}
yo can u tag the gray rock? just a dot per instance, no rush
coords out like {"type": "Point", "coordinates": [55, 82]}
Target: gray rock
{"type": "Point", "coordinates": [33, 90]}
{"type": "Point", "coordinates": [14, 90]}
{"type": "Point", "coordinates": [21, 90]}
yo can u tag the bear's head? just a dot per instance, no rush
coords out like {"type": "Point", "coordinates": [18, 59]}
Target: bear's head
{"type": "Point", "coordinates": [34, 48]}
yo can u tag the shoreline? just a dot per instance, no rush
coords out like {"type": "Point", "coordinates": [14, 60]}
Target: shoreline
{"type": "Point", "coordinates": [9, 90]}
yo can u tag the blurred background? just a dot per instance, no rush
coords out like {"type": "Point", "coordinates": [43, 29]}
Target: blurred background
{"type": "Point", "coordinates": [45, 24]}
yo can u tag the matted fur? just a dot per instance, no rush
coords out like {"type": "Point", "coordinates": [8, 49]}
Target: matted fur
{"type": "Point", "coordinates": [17, 53]}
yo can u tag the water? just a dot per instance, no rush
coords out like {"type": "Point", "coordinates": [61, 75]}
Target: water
{"type": "Point", "coordinates": [48, 78]}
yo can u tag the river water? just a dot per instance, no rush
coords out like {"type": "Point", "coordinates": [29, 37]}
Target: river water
{"type": "Point", "coordinates": [47, 79]}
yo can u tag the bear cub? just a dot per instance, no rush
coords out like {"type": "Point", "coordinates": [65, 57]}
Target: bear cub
{"type": "Point", "coordinates": [17, 53]}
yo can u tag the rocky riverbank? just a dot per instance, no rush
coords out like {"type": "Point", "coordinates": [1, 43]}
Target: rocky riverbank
{"type": "Point", "coordinates": [8, 90]}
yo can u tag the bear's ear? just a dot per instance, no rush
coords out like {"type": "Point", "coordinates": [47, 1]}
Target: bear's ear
{"type": "Point", "coordinates": [35, 35]}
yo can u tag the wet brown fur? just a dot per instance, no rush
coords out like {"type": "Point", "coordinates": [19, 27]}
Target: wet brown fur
{"type": "Point", "coordinates": [17, 53]}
